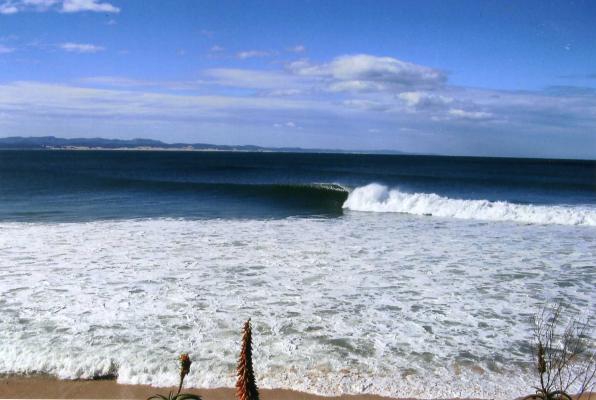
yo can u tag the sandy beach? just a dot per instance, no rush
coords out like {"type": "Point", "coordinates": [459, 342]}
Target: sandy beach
{"type": "Point", "coordinates": [47, 387]}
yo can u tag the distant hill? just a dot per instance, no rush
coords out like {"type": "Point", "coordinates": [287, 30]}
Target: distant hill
{"type": "Point", "coordinates": [55, 143]}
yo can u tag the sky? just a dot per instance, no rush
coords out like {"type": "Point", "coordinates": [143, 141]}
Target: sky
{"type": "Point", "coordinates": [478, 78]}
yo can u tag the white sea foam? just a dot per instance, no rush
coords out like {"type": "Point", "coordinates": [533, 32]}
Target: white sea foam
{"type": "Point", "coordinates": [390, 304]}
{"type": "Point", "coordinates": [379, 198]}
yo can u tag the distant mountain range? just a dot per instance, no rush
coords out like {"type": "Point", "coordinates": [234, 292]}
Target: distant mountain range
{"type": "Point", "coordinates": [55, 143]}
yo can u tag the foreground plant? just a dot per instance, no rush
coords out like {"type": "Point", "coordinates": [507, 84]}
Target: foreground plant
{"type": "Point", "coordinates": [246, 387]}
{"type": "Point", "coordinates": [184, 370]}
{"type": "Point", "coordinates": [563, 358]}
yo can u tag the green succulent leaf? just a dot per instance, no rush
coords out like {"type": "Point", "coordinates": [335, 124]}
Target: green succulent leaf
{"type": "Point", "coordinates": [187, 396]}
{"type": "Point", "coordinates": [158, 397]}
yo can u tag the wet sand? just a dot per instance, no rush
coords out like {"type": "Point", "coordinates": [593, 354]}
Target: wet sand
{"type": "Point", "coordinates": [49, 388]}
{"type": "Point", "coordinates": [45, 387]}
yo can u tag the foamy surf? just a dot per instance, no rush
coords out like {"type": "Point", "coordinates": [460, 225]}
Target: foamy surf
{"type": "Point", "coordinates": [390, 305]}
{"type": "Point", "coordinates": [379, 198]}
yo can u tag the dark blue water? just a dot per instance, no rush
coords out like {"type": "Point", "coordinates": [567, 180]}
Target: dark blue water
{"type": "Point", "coordinates": [89, 185]}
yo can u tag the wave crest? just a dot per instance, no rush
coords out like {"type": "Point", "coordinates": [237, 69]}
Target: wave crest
{"type": "Point", "coordinates": [379, 198]}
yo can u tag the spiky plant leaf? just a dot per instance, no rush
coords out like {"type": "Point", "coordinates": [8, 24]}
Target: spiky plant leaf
{"type": "Point", "coordinates": [246, 387]}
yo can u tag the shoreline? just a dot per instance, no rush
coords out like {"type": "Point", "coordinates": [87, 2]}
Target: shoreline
{"type": "Point", "coordinates": [49, 387]}
{"type": "Point", "coordinates": [42, 386]}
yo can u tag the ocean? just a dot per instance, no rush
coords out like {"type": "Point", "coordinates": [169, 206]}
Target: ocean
{"type": "Point", "coordinates": [406, 276]}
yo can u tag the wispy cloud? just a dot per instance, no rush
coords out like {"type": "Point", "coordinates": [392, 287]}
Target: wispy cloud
{"type": "Point", "coordinates": [252, 79]}
{"type": "Point", "coordinates": [130, 83]}
{"type": "Point", "coordinates": [289, 124]}
{"type": "Point", "coordinates": [473, 115]}
{"type": "Point", "coordinates": [66, 6]}
{"type": "Point", "coordinates": [367, 105]}
{"type": "Point", "coordinates": [8, 8]}
{"type": "Point", "coordinates": [76, 101]}
{"type": "Point", "coordinates": [88, 5]}
{"type": "Point", "coordinates": [81, 48]}
{"type": "Point", "coordinates": [424, 99]}
{"type": "Point", "coordinates": [297, 49]}
{"type": "Point", "coordinates": [338, 101]}
{"type": "Point", "coordinates": [243, 55]}
{"type": "Point", "coordinates": [5, 49]}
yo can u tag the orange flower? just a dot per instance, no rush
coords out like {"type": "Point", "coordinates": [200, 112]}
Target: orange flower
{"type": "Point", "coordinates": [184, 364]}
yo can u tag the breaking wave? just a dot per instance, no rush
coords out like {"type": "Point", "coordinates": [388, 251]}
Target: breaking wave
{"type": "Point", "coordinates": [379, 198]}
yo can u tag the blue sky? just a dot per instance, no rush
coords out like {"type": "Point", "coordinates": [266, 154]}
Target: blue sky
{"type": "Point", "coordinates": [498, 78]}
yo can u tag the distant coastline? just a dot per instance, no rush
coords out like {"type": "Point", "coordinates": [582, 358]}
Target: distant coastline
{"type": "Point", "coordinates": [94, 144]}
{"type": "Point", "coordinates": [53, 143]}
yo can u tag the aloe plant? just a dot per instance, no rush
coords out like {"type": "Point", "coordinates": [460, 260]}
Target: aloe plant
{"type": "Point", "coordinates": [185, 362]}
{"type": "Point", "coordinates": [246, 387]}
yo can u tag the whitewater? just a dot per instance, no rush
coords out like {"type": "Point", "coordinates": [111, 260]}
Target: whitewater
{"type": "Point", "coordinates": [379, 198]}
{"type": "Point", "coordinates": [392, 302]}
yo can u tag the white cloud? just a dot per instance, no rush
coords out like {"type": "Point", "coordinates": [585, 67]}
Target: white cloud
{"type": "Point", "coordinates": [289, 124]}
{"type": "Point", "coordinates": [129, 83]}
{"type": "Point", "coordinates": [243, 55]}
{"type": "Point", "coordinates": [364, 72]}
{"type": "Point", "coordinates": [424, 100]}
{"type": "Point", "coordinates": [366, 105]}
{"type": "Point", "coordinates": [40, 4]}
{"type": "Point", "coordinates": [67, 6]}
{"type": "Point", "coordinates": [472, 115]}
{"type": "Point", "coordinates": [216, 49]}
{"type": "Point", "coordinates": [348, 100]}
{"type": "Point", "coordinates": [356, 86]}
{"type": "Point", "coordinates": [284, 92]}
{"type": "Point", "coordinates": [5, 49]}
{"type": "Point", "coordinates": [81, 48]}
{"type": "Point", "coordinates": [62, 100]}
{"type": "Point", "coordinates": [70, 6]}
{"type": "Point", "coordinates": [8, 8]}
